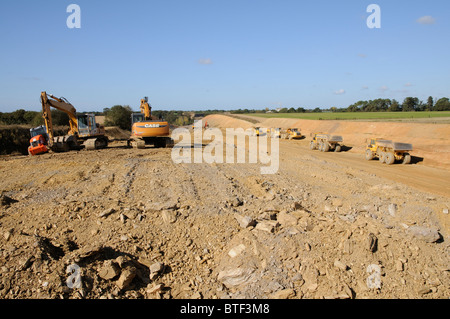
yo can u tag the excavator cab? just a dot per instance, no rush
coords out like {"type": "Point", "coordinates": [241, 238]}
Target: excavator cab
{"type": "Point", "coordinates": [137, 117]}
{"type": "Point", "coordinates": [38, 141]}
{"type": "Point", "coordinates": [87, 125]}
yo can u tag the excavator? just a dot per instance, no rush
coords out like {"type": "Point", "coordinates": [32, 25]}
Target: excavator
{"type": "Point", "coordinates": [145, 130]}
{"type": "Point", "coordinates": [84, 132]}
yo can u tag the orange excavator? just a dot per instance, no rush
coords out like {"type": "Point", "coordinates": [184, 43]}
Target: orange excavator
{"type": "Point", "coordinates": [84, 132]}
{"type": "Point", "coordinates": [38, 141]}
{"type": "Point", "coordinates": [146, 130]}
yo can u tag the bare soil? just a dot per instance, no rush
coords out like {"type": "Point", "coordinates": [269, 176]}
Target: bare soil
{"type": "Point", "coordinates": [137, 225]}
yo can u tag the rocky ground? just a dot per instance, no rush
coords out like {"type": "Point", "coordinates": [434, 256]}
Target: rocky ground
{"type": "Point", "coordinates": [128, 223]}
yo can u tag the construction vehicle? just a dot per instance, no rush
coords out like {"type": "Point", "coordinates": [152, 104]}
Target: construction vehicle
{"type": "Point", "coordinates": [388, 152]}
{"type": "Point", "coordinates": [84, 132]}
{"type": "Point", "coordinates": [292, 134]}
{"type": "Point", "coordinates": [326, 142]}
{"type": "Point", "coordinates": [39, 141]}
{"type": "Point", "coordinates": [275, 132]}
{"type": "Point", "coordinates": [148, 131]}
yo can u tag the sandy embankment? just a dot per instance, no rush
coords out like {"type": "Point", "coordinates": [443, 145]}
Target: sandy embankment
{"type": "Point", "coordinates": [430, 141]}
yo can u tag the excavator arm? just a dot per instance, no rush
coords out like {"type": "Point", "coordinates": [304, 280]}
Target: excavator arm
{"type": "Point", "coordinates": [146, 109]}
{"type": "Point", "coordinates": [61, 104]}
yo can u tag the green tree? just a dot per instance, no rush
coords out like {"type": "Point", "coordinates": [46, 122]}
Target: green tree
{"type": "Point", "coordinates": [301, 110]}
{"type": "Point", "coordinates": [430, 104]}
{"type": "Point", "coordinates": [395, 106]}
{"type": "Point", "coordinates": [442, 104]}
{"type": "Point", "coordinates": [410, 104]}
{"type": "Point", "coordinates": [119, 116]}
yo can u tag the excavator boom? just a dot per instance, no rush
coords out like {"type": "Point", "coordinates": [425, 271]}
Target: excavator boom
{"type": "Point", "coordinates": [82, 127]}
{"type": "Point", "coordinates": [47, 101]}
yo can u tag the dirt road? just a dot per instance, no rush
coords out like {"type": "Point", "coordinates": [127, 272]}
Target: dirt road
{"type": "Point", "coordinates": [133, 224]}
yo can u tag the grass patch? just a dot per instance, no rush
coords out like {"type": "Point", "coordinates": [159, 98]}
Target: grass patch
{"type": "Point", "coordinates": [356, 115]}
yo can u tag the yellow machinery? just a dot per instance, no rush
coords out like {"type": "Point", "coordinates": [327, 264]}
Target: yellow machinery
{"type": "Point", "coordinates": [292, 134]}
{"type": "Point", "coordinates": [326, 142]}
{"type": "Point", "coordinates": [147, 131]}
{"type": "Point", "coordinates": [83, 131]}
{"type": "Point", "coordinates": [388, 152]}
{"type": "Point", "coordinates": [256, 131]}
{"type": "Point", "coordinates": [275, 132]}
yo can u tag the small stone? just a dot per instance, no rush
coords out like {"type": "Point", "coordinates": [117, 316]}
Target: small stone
{"type": "Point", "coordinates": [424, 291]}
{"type": "Point", "coordinates": [372, 243]}
{"type": "Point", "coordinates": [169, 216]}
{"type": "Point", "coordinates": [283, 294]}
{"type": "Point", "coordinates": [392, 209]}
{"type": "Point", "coordinates": [245, 221]}
{"type": "Point", "coordinates": [236, 202]}
{"type": "Point", "coordinates": [286, 219]}
{"type": "Point", "coordinates": [7, 235]}
{"type": "Point", "coordinates": [445, 211]}
{"type": "Point", "coordinates": [106, 212]}
{"type": "Point", "coordinates": [155, 288]}
{"type": "Point", "coordinates": [267, 225]}
{"type": "Point", "coordinates": [155, 269]}
{"type": "Point", "coordinates": [399, 265]}
{"type": "Point", "coordinates": [196, 295]}
{"type": "Point", "coordinates": [340, 265]}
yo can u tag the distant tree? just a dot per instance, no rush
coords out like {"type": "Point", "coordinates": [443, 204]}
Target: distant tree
{"type": "Point", "coordinates": [430, 104]}
{"type": "Point", "coordinates": [301, 110]}
{"type": "Point", "coordinates": [119, 116]}
{"type": "Point", "coordinates": [442, 104]}
{"type": "Point", "coordinates": [395, 106]}
{"type": "Point", "coordinates": [410, 104]}
{"type": "Point", "coordinates": [421, 106]}
{"type": "Point", "coordinates": [291, 110]}
{"type": "Point", "coordinates": [317, 110]}
{"type": "Point", "coordinates": [283, 110]}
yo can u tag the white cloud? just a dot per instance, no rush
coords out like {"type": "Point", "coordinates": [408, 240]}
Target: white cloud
{"type": "Point", "coordinates": [205, 61]}
{"type": "Point", "coordinates": [426, 20]}
{"type": "Point", "coordinates": [339, 92]}
{"type": "Point", "coordinates": [384, 88]}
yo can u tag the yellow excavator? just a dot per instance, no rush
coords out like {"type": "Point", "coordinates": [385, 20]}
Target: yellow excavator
{"type": "Point", "coordinates": [145, 130]}
{"type": "Point", "coordinates": [84, 132]}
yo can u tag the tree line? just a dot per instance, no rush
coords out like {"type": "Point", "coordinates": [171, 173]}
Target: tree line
{"type": "Point", "coordinates": [120, 115]}
{"type": "Point", "coordinates": [409, 104]}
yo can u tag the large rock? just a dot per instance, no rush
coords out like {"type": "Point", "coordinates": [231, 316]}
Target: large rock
{"type": "Point", "coordinates": [245, 221]}
{"type": "Point", "coordinates": [429, 235]}
{"type": "Point", "coordinates": [126, 277]}
{"type": "Point", "coordinates": [236, 276]}
{"type": "Point", "coordinates": [286, 219]}
{"type": "Point", "coordinates": [109, 270]}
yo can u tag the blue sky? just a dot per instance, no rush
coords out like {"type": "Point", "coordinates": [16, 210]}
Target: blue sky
{"type": "Point", "coordinates": [198, 54]}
